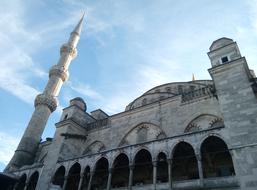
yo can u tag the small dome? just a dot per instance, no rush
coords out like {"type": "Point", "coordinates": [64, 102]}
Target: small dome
{"type": "Point", "coordinates": [79, 102]}
{"type": "Point", "coordinates": [220, 43]}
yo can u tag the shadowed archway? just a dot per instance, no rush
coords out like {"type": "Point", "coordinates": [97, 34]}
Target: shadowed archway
{"type": "Point", "coordinates": [33, 181]}
{"type": "Point", "coordinates": [120, 171]}
{"type": "Point", "coordinates": [216, 158]}
{"type": "Point", "coordinates": [100, 177]}
{"type": "Point", "coordinates": [58, 178]}
{"type": "Point", "coordinates": [184, 163]}
{"type": "Point", "coordinates": [73, 177]}
{"type": "Point", "coordinates": [143, 171]}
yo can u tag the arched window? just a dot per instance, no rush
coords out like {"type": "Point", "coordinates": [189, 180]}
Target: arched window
{"type": "Point", "coordinates": [21, 183]}
{"type": "Point", "coordinates": [86, 178]}
{"type": "Point", "coordinates": [162, 168]}
{"type": "Point", "coordinates": [184, 163]}
{"type": "Point", "coordinates": [143, 171]}
{"type": "Point", "coordinates": [58, 178]}
{"type": "Point", "coordinates": [216, 159]}
{"type": "Point", "coordinates": [100, 177]}
{"type": "Point", "coordinates": [73, 177]}
{"type": "Point", "coordinates": [33, 181]}
{"type": "Point", "coordinates": [120, 171]}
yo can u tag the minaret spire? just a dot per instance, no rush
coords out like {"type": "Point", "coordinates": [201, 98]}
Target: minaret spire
{"type": "Point", "coordinates": [78, 28]}
{"type": "Point", "coordinates": [45, 103]}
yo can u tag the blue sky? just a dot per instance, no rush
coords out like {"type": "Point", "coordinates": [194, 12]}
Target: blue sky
{"type": "Point", "coordinates": [126, 48]}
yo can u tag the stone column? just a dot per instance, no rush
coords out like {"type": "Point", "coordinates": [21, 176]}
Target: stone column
{"type": "Point", "coordinates": [200, 168]}
{"type": "Point", "coordinates": [131, 169]}
{"type": "Point", "coordinates": [154, 173]}
{"type": "Point", "coordinates": [90, 180]}
{"type": "Point", "coordinates": [65, 182]}
{"type": "Point", "coordinates": [109, 182]}
{"type": "Point", "coordinates": [81, 181]}
{"type": "Point", "coordinates": [169, 161]}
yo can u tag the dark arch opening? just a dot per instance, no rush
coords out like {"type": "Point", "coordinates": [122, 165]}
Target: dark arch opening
{"type": "Point", "coordinates": [86, 178]}
{"type": "Point", "coordinates": [143, 171]}
{"type": "Point", "coordinates": [21, 183]}
{"type": "Point", "coordinates": [162, 168]}
{"type": "Point", "coordinates": [73, 177]}
{"type": "Point", "coordinates": [100, 177]}
{"type": "Point", "coordinates": [184, 163]}
{"type": "Point", "coordinates": [216, 159]}
{"type": "Point", "coordinates": [58, 178]}
{"type": "Point", "coordinates": [120, 171]}
{"type": "Point", "coordinates": [33, 181]}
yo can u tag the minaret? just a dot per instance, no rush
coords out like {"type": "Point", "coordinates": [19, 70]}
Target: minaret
{"type": "Point", "coordinates": [45, 103]}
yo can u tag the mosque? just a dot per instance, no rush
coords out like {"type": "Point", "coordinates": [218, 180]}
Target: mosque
{"type": "Point", "coordinates": [194, 135]}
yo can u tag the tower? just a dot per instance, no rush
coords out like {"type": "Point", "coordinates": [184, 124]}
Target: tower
{"type": "Point", "coordinates": [236, 91]}
{"type": "Point", "coordinates": [45, 103]}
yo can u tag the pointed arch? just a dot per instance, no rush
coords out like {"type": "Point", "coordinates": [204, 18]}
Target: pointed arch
{"type": "Point", "coordinates": [33, 181]}
{"type": "Point", "coordinates": [94, 147]}
{"type": "Point", "coordinates": [162, 168]}
{"type": "Point", "coordinates": [58, 178]}
{"type": "Point", "coordinates": [73, 177]}
{"type": "Point", "coordinates": [143, 171]}
{"type": "Point", "coordinates": [101, 172]}
{"type": "Point", "coordinates": [204, 121]}
{"type": "Point", "coordinates": [141, 133]}
{"type": "Point", "coordinates": [22, 182]}
{"type": "Point", "coordinates": [184, 162]}
{"type": "Point", "coordinates": [86, 178]}
{"type": "Point", "coordinates": [216, 158]}
{"type": "Point", "coordinates": [120, 171]}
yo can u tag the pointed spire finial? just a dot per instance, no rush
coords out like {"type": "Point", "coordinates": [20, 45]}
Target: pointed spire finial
{"type": "Point", "coordinates": [78, 28]}
{"type": "Point", "coordinates": [193, 77]}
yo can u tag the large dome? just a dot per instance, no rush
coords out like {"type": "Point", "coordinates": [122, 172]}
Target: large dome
{"type": "Point", "coordinates": [167, 91]}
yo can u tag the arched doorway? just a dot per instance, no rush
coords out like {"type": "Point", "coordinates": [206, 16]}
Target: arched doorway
{"type": "Point", "coordinates": [216, 159]}
{"type": "Point", "coordinates": [21, 183]}
{"type": "Point", "coordinates": [120, 176]}
{"type": "Point", "coordinates": [100, 177]}
{"type": "Point", "coordinates": [86, 178]}
{"type": "Point", "coordinates": [143, 171]}
{"type": "Point", "coordinates": [58, 178]}
{"type": "Point", "coordinates": [184, 162]}
{"type": "Point", "coordinates": [33, 181]}
{"type": "Point", "coordinates": [162, 168]}
{"type": "Point", "coordinates": [73, 177]}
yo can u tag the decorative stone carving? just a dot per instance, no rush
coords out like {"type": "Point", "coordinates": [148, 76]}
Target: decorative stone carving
{"type": "Point", "coordinates": [60, 72]}
{"type": "Point", "coordinates": [192, 127]}
{"type": "Point", "coordinates": [217, 122]}
{"type": "Point", "coordinates": [50, 101]}
{"type": "Point", "coordinates": [69, 50]}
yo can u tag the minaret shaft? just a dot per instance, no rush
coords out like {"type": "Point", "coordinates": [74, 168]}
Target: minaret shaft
{"type": "Point", "coordinates": [45, 104]}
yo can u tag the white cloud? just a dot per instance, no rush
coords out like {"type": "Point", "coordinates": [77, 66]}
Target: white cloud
{"type": "Point", "coordinates": [85, 90]}
{"type": "Point", "coordinates": [8, 144]}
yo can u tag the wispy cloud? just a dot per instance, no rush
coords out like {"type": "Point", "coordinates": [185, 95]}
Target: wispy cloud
{"type": "Point", "coordinates": [84, 90]}
{"type": "Point", "coordinates": [8, 145]}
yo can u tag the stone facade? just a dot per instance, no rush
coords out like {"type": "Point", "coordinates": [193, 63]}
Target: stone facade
{"type": "Point", "coordinates": [189, 135]}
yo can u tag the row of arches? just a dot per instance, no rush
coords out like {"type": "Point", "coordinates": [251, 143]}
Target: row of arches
{"type": "Point", "coordinates": [214, 160]}
{"type": "Point", "coordinates": [28, 184]}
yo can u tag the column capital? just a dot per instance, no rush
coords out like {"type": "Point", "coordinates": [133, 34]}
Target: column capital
{"type": "Point", "coordinates": [169, 160]}
{"type": "Point", "coordinates": [50, 101]}
{"type": "Point", "coordinates": [131, 166]}
{"type": "Point", "coordinates": [155, 162]}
